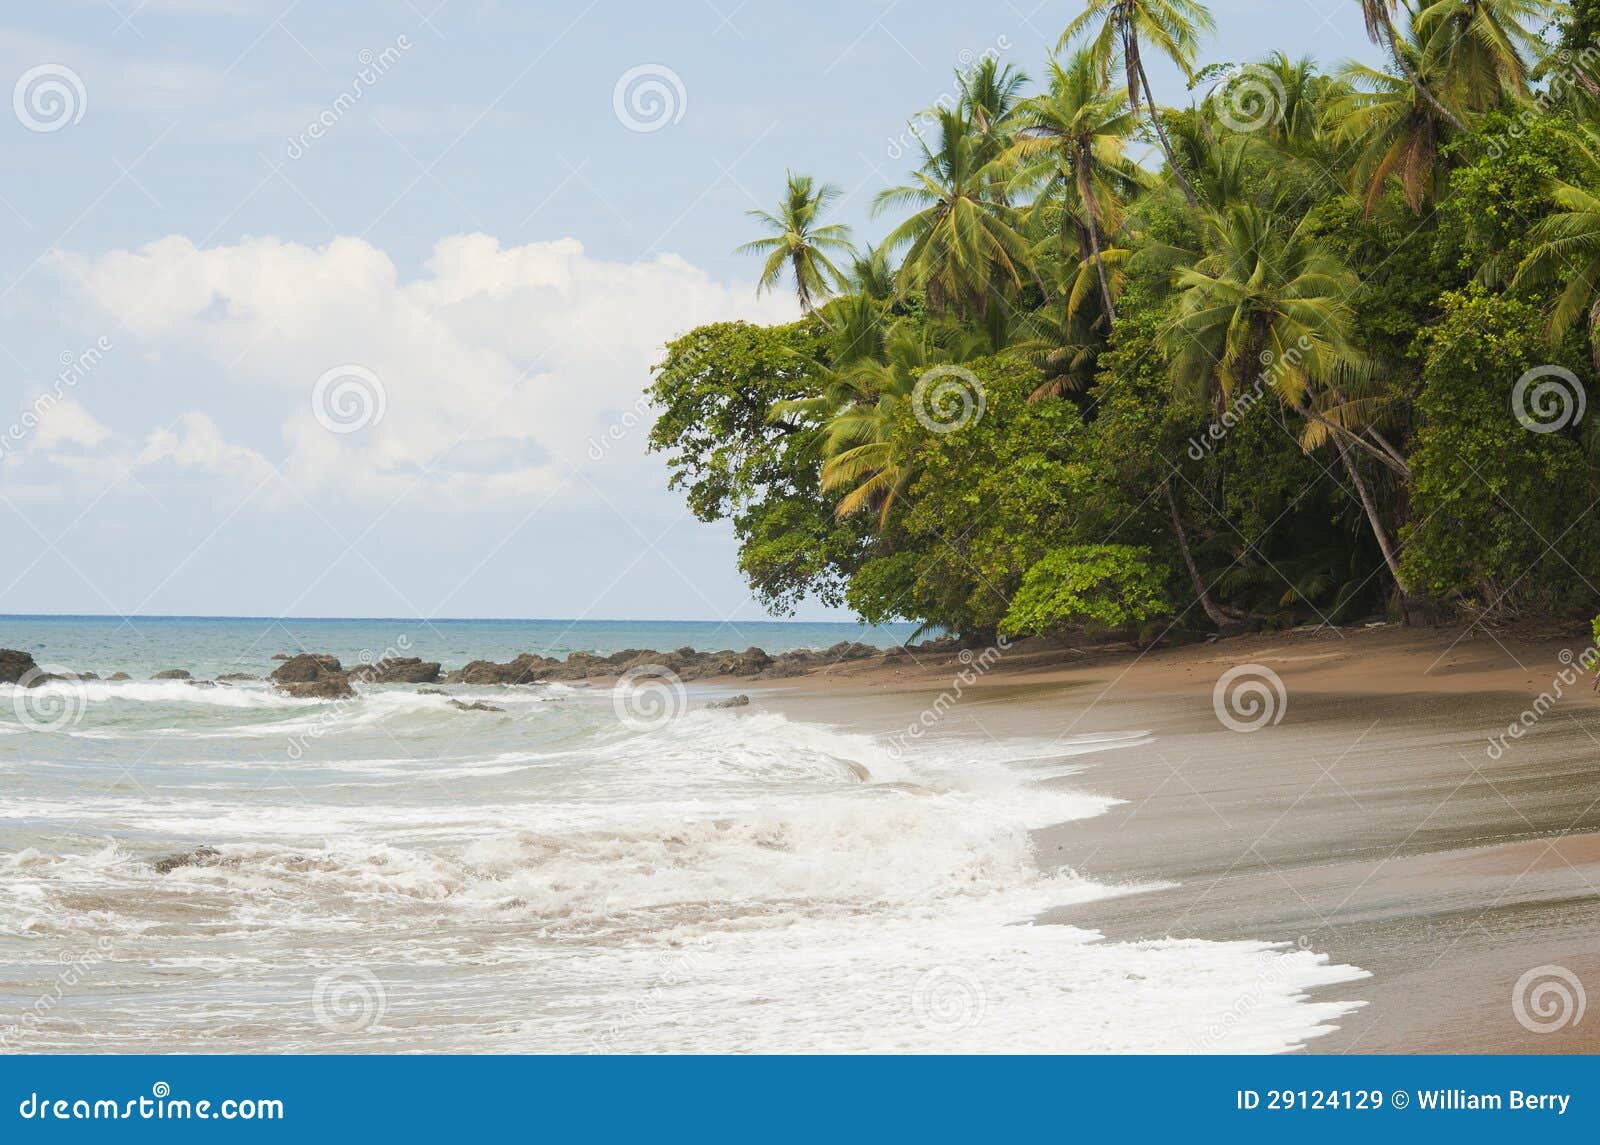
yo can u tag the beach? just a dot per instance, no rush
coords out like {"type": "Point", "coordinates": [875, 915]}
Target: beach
{"type": "Point", "coordinates": [1375, 821]}
{"type": "Point", "coordinates": [1025, 847]}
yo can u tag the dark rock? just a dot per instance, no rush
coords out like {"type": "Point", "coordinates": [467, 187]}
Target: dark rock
{"type": "Point", "coordinates": [739, 701]}
{"type": "Point", "coordinates": [333, 686]}
{"type": "Point", "coordinates": [432, 692]}
{"type": "Point", "coordinates": [396, 670]}
{"type": "Point", "coordinates": [14, 665]}
{"type": "Point", "coordinates": [202, 683]}
{"type": "Point", "coordinates": [119, 676]}
{"type": "Point", "coordinates": [306, 668]}
{"type": "Point", "coordinates": [282, 656]}
{"type": "Point", "coordinates": [849, 650]}
{"type": "Point", "coordinates": [172, 674]}
{"type": "Point", "coordinates": [527, 668]}
{"type": "Point", "coordinates": [312, 676]}
{"type": "Point", "coordinates": [232, 677]}
{"type": "Point", "coordinates": [475, 706]}
{"type": "Point", "coordinates": [199, 857]}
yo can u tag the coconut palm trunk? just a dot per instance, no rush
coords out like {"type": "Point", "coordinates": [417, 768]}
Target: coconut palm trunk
{"type": "Point", "coordinates": [1377, 12]}
{"type": "Point", "coordinates": [1161, 134]}
{"type": "Point", "coordinates": [1367, 503]}
{"type": "Point", "coordinates": [1091, 208]}
{"type": "Point", "coordinates": [1202, 594]}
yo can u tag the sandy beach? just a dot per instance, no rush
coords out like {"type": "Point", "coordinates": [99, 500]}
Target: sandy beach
{"type": "Point", "coordinates": [1373, 822]}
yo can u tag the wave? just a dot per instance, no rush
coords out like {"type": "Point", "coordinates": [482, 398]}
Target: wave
{"type": "Point", "coordinates": [864, 896]}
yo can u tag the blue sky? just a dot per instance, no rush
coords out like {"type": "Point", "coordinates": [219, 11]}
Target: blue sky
{"type": "Point", "coordinates": [469, 264]}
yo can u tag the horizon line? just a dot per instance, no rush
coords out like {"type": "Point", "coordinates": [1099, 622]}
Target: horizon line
{"type": "Point", "coordinates": [4, 616]}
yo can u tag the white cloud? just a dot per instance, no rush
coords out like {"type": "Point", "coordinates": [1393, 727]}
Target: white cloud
{"type": "Point", "coordinates": [496, 366]}
{"type": "Point", "coordinates": [197, 445]}
{"type": "Point", "coordinates": [66, 423]}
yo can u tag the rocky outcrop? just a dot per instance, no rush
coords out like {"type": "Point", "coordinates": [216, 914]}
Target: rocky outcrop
{"type": "Point", "coordinates": [305, 668]}
{"type": "Point", "coordinates": [14, 665]}
{"type": "Point", "coordinates": [739, 701]}
{"type": "Point", "coordinates": [685, 663]}
{"type": "Point", "coordinates": [312, 676]}
{"type": "Point", "coordinates": [397, 670]}
{"type": "Point", "coordinates": [475, 706]}
{"type": "Point", "coordinates": [172, 674]}
{"type": "Point", "coordinates": [199, 857]}
{"type": "Point", "coordinates": [235, 677]}
{"type": "Point", "coordinates": [119, 676]}
{"type": "Point", "coordinates": [335, 686]}
{"type": "Point", "coordinates": [527, 668]}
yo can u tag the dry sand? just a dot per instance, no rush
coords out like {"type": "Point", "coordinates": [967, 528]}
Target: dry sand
{"type": "Point", "coordinates": [1372, 822]}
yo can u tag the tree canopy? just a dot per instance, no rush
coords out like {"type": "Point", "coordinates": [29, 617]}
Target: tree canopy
{"type": "Point", "coordinates": [1317, 345]}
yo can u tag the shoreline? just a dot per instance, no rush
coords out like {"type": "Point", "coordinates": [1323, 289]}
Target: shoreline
{"type": "Point", "coordinates": [1365, 819]}
{"type": "Point", "coordinates": [1371, 823]}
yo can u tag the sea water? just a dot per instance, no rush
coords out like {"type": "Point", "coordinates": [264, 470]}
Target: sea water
{"type": "Point", "coordinates": [395, 874]}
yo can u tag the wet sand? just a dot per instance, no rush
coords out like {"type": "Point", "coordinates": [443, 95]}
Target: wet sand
{"type": "Point", "coordinates": [1372, 823]}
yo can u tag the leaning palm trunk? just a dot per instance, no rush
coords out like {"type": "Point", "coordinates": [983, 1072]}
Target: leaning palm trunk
{"type": "Point", "coordinates": [1161, 134]}
{"type": "Point", "coordinates": [1202, 594]}
{"type": "Point", "coordinates": [1092, 209]}
{"type": "Point", "coordinates": [1422, 89]}
{"type": "Point", "coordinates": [1378, 531]}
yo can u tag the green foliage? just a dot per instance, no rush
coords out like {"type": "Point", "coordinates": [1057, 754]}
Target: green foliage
{"type": "Point", "coordinates": [1099, 586]}
{"type": "Point", "coordinates": [1499, 507]}
{"type": "Point", "coordinates": [1272, 383]}
{"type": "Point", "coordinates": [714, 390]}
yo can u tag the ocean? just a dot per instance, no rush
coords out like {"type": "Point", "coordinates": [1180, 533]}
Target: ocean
{"type": "Point", "coordinates": [577, 872]}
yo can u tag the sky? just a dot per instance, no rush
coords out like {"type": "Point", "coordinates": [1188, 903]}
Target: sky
{"type": "Point", "coordinates": [347, 310]}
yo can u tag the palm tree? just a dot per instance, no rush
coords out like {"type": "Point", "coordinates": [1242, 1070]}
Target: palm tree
{"type": "Point", "coordinates": [859, 417]}
{"type": "Point", "coordinates": [799, 244]}
{"type": "Point", "coordinates": [1379, 19]}
{"type": "Point", "coordinates": [1399, 131]}
{"type": "Point", "coordinates": [1070, 142]}
{"type": "Point", "coordinates": [1174, 27]}
{"type": "Point", "coordinates": [991, 93]}
{"type": "Point", "coordinates": [1486, 46]}
{"type": "Point", "coordinates": [963, 236]}
{"type": "Point", "coordinates": [1268, 300]}
{"type": "Point", "coordinates": [1567, 246]}
{"type": "Point", "coordinates": [1256, 290]}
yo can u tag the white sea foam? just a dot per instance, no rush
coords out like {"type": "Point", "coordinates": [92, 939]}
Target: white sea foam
{"type": "Point", "coordinates": [732, 881]}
